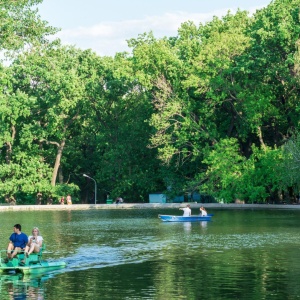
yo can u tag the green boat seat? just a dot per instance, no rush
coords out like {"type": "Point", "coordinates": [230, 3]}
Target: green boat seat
{"type": "Point", "coordinates": [37, 257]}
{"type": "Point", "coordinates": [33, 257]}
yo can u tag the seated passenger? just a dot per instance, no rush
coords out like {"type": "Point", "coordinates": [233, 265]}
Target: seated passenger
{"type": "Point", "coordinates": [17, 242]}
{"type": "Point", "coordinates": [203, 211]}
{"type": "Point", "coordinates": [35, 242]}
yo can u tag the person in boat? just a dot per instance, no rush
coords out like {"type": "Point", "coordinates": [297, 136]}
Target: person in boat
{"type": "Point", "coordinates": [17, 242]}
{"type": "Point", "coordinates": [35, 242]}
{"type": "Point", "coordinates": [203, 211]}
{"type": "Point", "coordinates": [62, 200]}
{"type": "Point", "coordinates": [186, 211]}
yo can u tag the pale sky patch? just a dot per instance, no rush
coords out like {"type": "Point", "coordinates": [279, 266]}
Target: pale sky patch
{"type": "Point", "coordinates": [104, 26]}
{"type": "Point", "coordinates": [107, 37]}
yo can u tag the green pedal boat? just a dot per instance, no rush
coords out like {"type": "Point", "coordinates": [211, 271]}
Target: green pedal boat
{"type": "Point", "coordinates": [33, 264]}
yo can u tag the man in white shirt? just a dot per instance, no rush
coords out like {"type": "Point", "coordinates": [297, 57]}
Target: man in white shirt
{"type": "Point", "coordinates": [186, 211]}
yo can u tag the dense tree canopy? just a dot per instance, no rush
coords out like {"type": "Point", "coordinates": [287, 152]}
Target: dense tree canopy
{"type": "Point", "coordinates": [214, 109]}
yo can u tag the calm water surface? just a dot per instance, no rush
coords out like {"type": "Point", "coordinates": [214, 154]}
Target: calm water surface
{"type": "Point", "coordinates": [131, 254]}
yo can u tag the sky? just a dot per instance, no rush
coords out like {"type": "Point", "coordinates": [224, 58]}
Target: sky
{"type": "Point", "coordinates": [105, 25]}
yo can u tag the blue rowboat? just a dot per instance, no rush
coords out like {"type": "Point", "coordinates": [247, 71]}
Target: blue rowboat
{"type": "Point", "coordinates": [170, 218]}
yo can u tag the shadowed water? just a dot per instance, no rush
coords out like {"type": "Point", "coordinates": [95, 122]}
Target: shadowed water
{"type": "Point", "coordinates": [131, 254]}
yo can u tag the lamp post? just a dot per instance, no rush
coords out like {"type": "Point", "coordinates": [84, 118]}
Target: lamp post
{"type": "Point", "coordinates": [84, 175]}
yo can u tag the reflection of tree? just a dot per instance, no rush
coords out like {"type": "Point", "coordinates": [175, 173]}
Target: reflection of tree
{"type": "Point", "coordinates": [220, 270]}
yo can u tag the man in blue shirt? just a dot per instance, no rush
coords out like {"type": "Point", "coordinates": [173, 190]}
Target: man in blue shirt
{"type": "Point", "coordinates": [17, 242]}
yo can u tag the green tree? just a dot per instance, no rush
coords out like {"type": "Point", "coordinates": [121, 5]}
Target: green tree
{"type": "Point", "coordinates": [115, 142]}
{"type": "Point", "coordinates": [51, 77]}
{"type": "Point", "coordinates": [20, 25]}
{"type": "Point", "coordinates": [20, 28]}
{"type": "Point", "coordinates": [291, 163]}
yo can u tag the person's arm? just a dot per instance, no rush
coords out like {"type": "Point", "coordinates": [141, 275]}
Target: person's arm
{"type": "Point", "coordinates": [30, 239]}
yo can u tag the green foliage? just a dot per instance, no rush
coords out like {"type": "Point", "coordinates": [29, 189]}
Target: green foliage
{"type": "Point", "coordinates": [117, 133]}
{"type": "Point", "coordinates": [206, 110]}
{"type": "Point", "coordinates": [62, 190]}
{"type": "Point", "coordinates": [231, 177]}
{"type": "Point", "coordinates": [291, 163]}
{"type": "Point", "coordinates": [224, 172]}
{"type": "Point", "coordinates": [20, 25]}
{"type": "Point", "coordinates": [261, 175]}
{"type": "Point", "coordinates": [26, 175]}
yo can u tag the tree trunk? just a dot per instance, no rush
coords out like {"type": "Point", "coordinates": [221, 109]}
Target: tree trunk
{"type": "Point", "coordinates": [57, 161]}
{"type": "Point", "coordinates": [260, 136]}
{"type": "Point", "coordinates": [9, 146]}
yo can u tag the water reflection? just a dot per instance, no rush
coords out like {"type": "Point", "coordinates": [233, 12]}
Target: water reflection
{"type": "Point", "coordinates": [187, 226]}
{"type": "Point", "coordinates": [18, 286]}
{"type": "Point", "coordinates": [203, 224]}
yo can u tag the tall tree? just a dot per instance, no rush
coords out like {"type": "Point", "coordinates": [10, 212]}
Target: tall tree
{"type": "Point", "coordinates": [20, 28]}
{"type": "Point", "coordinates": [51, 77]}
{"type": "Point", "coordinates": [118, 134]}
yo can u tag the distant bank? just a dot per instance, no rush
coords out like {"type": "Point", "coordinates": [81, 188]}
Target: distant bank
{"type": "Point", "coordinates": [146, 206]}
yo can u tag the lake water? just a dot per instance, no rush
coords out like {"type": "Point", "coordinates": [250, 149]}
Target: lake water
{"type": "Point", "coordinates": [131, 254]}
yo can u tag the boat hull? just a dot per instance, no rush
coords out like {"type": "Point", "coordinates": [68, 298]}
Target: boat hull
{"type": "Point", "coordinates": [38, 268]}
{"type": "Point", "coordinates": [34, 264]}
{"type": "Point", "coordinates": [170, 218]}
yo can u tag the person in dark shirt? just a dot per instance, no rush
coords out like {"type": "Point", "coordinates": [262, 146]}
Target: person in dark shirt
{"type": "Point", "coordinates": [17, 242]}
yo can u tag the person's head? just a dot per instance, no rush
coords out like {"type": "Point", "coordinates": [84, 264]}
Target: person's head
{"type": "Point", "coordinates": [17, 227]}
{"type": "Point", "coordinates": [188, 206]}
{"type": "Point", "coordinates": [35, 231]}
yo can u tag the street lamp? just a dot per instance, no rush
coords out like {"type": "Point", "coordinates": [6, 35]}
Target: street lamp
{"type": "Point", "coordinates": [84, 175]}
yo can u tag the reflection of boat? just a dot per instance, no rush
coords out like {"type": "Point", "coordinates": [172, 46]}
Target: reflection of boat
{"type": "Point", "coordinates": [32, 279]}
{"type": "Point", "coordinates": [30, 265]}
{"type": "Point", "coordinates": [187, 226]}
{"type": "Point", "coordinates": [16, 285]}
{"type": "Point", "coordinates": [170, 218]}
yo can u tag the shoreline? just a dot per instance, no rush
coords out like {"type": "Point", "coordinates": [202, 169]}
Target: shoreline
{"type": "Point", "coordinates": [145, 206]}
